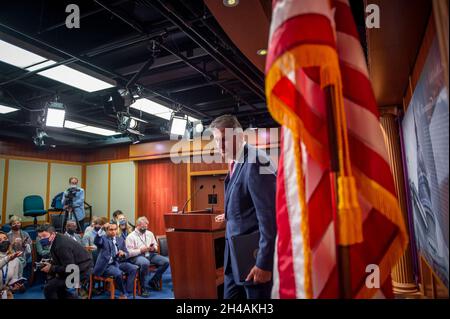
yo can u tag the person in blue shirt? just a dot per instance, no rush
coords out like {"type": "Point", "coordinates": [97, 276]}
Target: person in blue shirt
{"type": "Point", "coordinates": [78, 201]}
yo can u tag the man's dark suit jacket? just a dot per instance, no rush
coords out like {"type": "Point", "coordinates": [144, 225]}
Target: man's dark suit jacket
{"type": "Point", "coordinates": [66, 251]}
{"type": "Point", "coordinates": [106, 251]}
{"type": "Point", "coordinates": [250, 205]}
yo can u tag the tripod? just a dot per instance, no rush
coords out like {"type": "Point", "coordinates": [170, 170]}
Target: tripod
{"type": "Point", "coordinates": [68, 214]}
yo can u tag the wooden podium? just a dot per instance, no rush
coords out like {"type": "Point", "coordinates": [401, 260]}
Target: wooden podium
{"type": "Point", "coordinates": [196, 246]}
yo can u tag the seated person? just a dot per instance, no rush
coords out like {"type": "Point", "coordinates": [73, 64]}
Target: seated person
{"type": "Point", "coordinates": [20, 241]}
{"type": "Point", "coordinates": [90, 233]}
{"type": "Point", "coordinates": [142, 245]}
{"type": "Point", "coordinates": [64, 252]}
{"type": "Point", "coordinates": [124, 227]}
{"type": "Point", "coordinates": [112, 259]}
{"type": "Point", "coordinates": [9, 268]}
{"type": "Point", "coordinates": [71, 228]}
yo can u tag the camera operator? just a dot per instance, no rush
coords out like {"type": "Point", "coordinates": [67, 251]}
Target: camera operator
{"type": "Point", "coordinates": [73, 200]}
{"type": "Point", "coordinates": [64, 251]}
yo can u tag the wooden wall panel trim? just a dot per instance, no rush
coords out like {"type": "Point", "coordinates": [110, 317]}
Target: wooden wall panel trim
{"type": "Point", "coordinates": [47, 191]}
{"type": "Point", "coordinates": [5, 190]}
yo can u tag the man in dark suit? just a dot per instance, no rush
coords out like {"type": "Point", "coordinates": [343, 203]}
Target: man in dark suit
{"type": "Point", "coordinates": [64, 252]}
{"type": "Point", "coordinates": [112, 259]}
{"type": "Point", "coordinates": [250, 189]}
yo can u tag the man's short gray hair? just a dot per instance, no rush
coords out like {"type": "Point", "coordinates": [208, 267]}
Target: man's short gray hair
{"type": "Point", "coordinates": [225, 121]}
{"type": "Point", "coordinates": [141, 219]}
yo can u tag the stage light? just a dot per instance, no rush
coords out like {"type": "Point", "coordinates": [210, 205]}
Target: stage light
{"type": "Point", "coordinates": [178, 125]}
{"type": "Point", "coordinates": [39, 138]}
{"type": "Point", "coordinates": [199, 127]}
{"type": "Point", "coordinates": [55, 115]}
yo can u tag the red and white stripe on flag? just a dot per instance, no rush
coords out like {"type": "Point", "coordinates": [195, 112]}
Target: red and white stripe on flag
{"type": "Point", "coordinates": [314, 43]}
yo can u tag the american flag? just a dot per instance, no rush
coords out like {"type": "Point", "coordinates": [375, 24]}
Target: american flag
{"type": "Point", "coordinates": [314, 44]}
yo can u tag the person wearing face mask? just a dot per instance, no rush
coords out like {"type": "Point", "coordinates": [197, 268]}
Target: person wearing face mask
{"type": "Point", "coordinates": [142, 245]}
{"type": "Point", "coordinates": [77, 202]}
{"type": "Point", "coordinates": [112, 260]}
{"type": "Point", "coordinates": [64, 251]}
{"type": "Point", "coordinates": [20, 241]}
{"type": "Point", "coordinates": [71, 228]}
{"type": "Point", "coordinates": [124, 227]}
{"type": "Point", "coordinates": [9, 267]}
{"type": "Point", "coordinates": [89, 236]}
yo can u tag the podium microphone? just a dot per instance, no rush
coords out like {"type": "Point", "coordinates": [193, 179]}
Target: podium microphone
{"type": "Point", "coordinates": [192, 196]}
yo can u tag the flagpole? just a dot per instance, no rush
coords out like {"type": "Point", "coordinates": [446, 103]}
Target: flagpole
{"type": "Point", "coordinates": [342, 252]}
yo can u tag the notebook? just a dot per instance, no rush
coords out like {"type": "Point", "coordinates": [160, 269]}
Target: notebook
{"type": "Point", "coordinates": [245, 248]}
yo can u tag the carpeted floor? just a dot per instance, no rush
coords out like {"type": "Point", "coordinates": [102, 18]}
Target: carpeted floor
{"type": "Point", "coordinates": [36, 291]}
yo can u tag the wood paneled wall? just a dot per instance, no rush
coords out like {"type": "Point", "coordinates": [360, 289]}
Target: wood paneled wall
{"type": "Point", "coordinates": [161, 185]}
{"type": "Point", "coordinates": [20, 148]}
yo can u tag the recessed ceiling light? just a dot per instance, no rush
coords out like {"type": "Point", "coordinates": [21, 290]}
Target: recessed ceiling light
{"type": "Point", "coordinates": [230, 3]}
{"type": "Point", "coordinates": [153, 108]}
{"type": "Point", "coordinates": [89, 129]}
{"type": "Point", "coordinates": [7, 109]}
{"type": "Point", "coordinates": [24, 59]}
{"type": "Point", "coordinates": [261, 52]}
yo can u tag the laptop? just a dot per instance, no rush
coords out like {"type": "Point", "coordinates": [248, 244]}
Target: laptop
{"type": "Point", "coordinates": [245, 248]}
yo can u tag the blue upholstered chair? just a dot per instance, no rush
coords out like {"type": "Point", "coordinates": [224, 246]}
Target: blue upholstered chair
{"type": "Point", "coordinates": [33, 206]}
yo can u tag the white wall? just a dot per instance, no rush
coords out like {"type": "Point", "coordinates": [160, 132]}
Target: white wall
{"type": "Point", "coordinates": [97, 188]}
{"type": "Point", "coordinates": [2, 178]}
{"type": "Point", "coordinates": [25, 178]}
{"type": "Point", "coordinates": [123, 189]}
{"type": "Point", "coordinates": [59, 177]}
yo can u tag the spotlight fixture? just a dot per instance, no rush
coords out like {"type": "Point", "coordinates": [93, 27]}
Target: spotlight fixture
{"type": "Point", "coordinates": [39, 138]}
{"type": "Point", "coordinates": [261, 52]}
{"type": "Point", "coordinates": [55, 115]}
{"type": "Point", "coordinates": [230, 3]}
{"type": "Point", "coordinates": [135, 139]}
{"type": "Point", "coordinates": [178, 125]}
{"type": "Point", "coordinates": [199, 127]}
{"type": "Point", "coordinates": [128, 123]}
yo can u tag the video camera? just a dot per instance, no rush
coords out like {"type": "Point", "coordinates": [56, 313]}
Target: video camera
{"type": "Point", "coordinates": [70, 195]}
{"type": "Point", "coordinates": [38, 265]}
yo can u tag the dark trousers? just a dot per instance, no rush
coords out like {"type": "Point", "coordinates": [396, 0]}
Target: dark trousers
{"type": "Point", "coordinates": [56, 288]}
{"type": "Point", "coordinates": [233, 291]}
{"type": "Point", "coordinates": [116, 270]}
{"type": "Point", "coordinates": [161, 262]}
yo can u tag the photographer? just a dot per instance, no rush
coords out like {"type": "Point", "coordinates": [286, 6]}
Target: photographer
{"type": "Point", "coordinates": [73, 200]}
{"type": "Point", "coordinates": [64, 251]}
{"type": "Point", "coordinates": [112, 259]}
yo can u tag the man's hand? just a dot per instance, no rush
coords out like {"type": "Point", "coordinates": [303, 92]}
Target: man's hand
{"type": "Point", "coordinates": [46, 268]}
{"type": "Point", "coordinates": [144, 249]}
{"type": "Point", "coordinates": [152, 248]}
{"type": "Point", "coordinates": [15, 255]}
{"type": "Point", "coordinates": [90, 248]}
{"type": "Point", "coordinates": [220, 218]}
{"type": "Point", "coordinates": [259, 276]}
{"type": "Point", "coordinates": [121, 253]}
{"type": "Point", "coordinates": [105, 226]}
